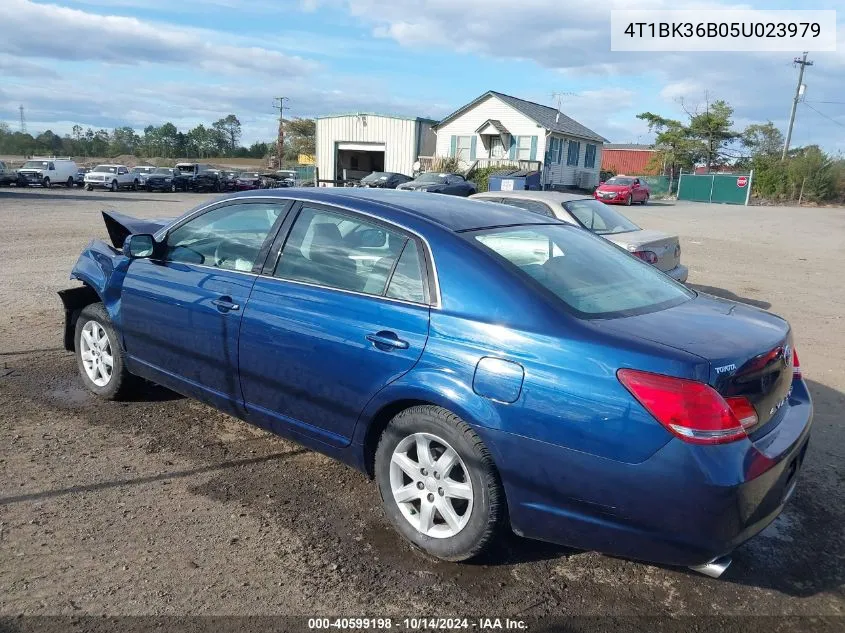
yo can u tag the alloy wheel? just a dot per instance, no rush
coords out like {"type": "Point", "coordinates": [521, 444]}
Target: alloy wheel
{"type": "Point", "coordinates": [96, 352]}
{"type": "Point", "coordinates": [431, 485]}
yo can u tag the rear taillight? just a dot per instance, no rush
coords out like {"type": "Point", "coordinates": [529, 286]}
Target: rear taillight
{"type": "Point", "coordinates": [690, 410]}
{"type": "Point", "coordinates": [796, 366]}
{"type": "Point", "coordinates": [647, 256]}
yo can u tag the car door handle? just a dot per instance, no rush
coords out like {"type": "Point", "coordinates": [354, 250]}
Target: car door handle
{"type": "Point", "coordinates": [225, 304]}
{"type": "Point", "coordinates": [386, 340]}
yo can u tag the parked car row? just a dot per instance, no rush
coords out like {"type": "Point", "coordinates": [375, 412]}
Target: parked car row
{"type": "Point", "coordinates": [430, 181]}
{"type": "Point", "coordinates": [186, 176]}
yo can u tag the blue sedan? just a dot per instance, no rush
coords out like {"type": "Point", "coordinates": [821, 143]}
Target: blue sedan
{"type": "Point", "coordinates": [491, 368]}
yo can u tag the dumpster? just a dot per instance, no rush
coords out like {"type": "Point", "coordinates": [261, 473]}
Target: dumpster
{"type": "Point", "coordinates": [515, 180]}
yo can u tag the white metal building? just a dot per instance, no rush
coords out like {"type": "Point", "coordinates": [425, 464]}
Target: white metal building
{"type": "Point", "coordinates": [496, 128]}
{"type": "Point", "coordinates": [350, 146]}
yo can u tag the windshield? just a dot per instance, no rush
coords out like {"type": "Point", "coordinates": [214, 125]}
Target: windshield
{"type": "Point", "coordinates": [163, 171]}
{"type": "Point", "coordinates": [105, 168]}
{"type": "Point", "coordinates": [594, 278]}
{"type": "Point", "coordinates": [598, 217]}
{"type": "Point", "coordinates": [376, 176]}
{"type": "Point", "coordinates": [35, 164]}
{"type": "Point", "coordinates": [432, 177]}
{"type": "Point", "coordinates": [249, 174]}
{"type": "Point", "coordinates": [142, 170]}
{"type": "Point", "coordinates": [618, 180]}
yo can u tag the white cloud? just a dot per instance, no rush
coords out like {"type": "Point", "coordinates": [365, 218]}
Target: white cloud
{"type": "Point", "coordinates": [41, 31]}
{"type": "Point", "coordinates": [573, 38]}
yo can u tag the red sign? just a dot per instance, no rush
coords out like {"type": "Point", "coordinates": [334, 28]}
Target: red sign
{"type": "Point", "coordinates": [741, 181]}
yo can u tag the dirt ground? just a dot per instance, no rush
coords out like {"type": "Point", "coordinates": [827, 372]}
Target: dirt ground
{"type": "Point", "coordinates": [164, 506]}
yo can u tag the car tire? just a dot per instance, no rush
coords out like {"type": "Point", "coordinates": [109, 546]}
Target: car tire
{"type": "Point", "coordinates": [46, 183]}
{"type": "Point", "coordinates": [69, 183]}
{"type": "Point", "coordinates": [645, 200]}
{"type": "Point", "coordinates": [93, 354]}
{"type": "Point", "coordinates": [89, 188]}
{"type": "Point", "coordinates": [629, 200]}
{"type": "Point", "coordinates": [113, 185]}
{"type": "Point", "coordinates": [172, 188]}
{"type": "Point", "coordinates": [476, 509]}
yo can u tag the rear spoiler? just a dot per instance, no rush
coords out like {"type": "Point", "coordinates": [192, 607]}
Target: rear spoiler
{"type": "Point", "coordinates": [120, 226]}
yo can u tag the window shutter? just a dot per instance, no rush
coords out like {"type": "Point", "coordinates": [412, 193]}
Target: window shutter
{"type": "Point", "coordinates": [472, 147]}
{"type": "Point", "coordinates": [560, 151]}
{"type": "Point", "coordinates": [533, 148]}
{"type": "Point", "coordinates": [512, 150]}
{"type": "Point", "coordinates": [453, 148]}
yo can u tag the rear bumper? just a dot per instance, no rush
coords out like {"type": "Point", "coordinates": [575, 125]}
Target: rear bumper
{"type": "Point", "coordinates": [685, 505]}
{"type": "Point", "coordinates": [679, 273]}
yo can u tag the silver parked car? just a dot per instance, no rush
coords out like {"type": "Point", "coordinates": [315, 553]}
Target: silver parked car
{"type": "Point", "coordinates": [655, 247]}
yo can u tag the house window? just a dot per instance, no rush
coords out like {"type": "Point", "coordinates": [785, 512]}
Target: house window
{"type": "Point", "coordinates": [590, 156]}
{"type": "Point", "coordinates": [463, 147]}
{"type": "Point", "coordinates": [553, 155]}
{"type": "Point", "coordinates": [572, 154]}
{"type": "Point", "coordinates": [523, 148]}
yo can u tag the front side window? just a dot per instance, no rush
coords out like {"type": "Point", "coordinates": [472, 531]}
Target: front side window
{"type": "Point", "coordinates": [530, 205]}
{"type": "Point", "coordinates": [227, 237]}
{"type": "Point", "coordinates": [599, 217]}
{"type": "Point", "coordinates": [592, 277]}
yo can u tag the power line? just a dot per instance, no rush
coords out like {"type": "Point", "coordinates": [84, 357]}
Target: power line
{"type": "Point", "coordinates": [824, 115]}
{"type": "Point", "coordinates": [834, 102]}
{"type": "Point", "coordinates": [803, 63]}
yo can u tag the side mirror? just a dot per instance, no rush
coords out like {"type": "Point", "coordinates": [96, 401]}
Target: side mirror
{"type": "Point", "coordinates": [601, 182]}
{"type": "Point", "coordinates": [141, 245]}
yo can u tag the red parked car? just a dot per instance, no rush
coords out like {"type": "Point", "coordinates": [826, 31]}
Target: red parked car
{"type": "Point", "coordinates": [623, 190]}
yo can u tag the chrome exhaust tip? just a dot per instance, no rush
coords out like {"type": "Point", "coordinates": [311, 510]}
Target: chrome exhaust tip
{"type": "Point", "coordinates": [715, 567]}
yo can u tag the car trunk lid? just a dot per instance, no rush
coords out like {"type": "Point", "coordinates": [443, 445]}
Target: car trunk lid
{"type": "Point", "coordinates": [749, 351]}
{"type": "Point", "coordinates": [666, 247]}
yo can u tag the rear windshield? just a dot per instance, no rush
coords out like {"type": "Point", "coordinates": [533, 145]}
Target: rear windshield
{"type": "Point", "coordinates": [376, 176]}
{"type": "Point", "coordinates": [599, 217]}
{"type": "Point", "coordinates": [594, 278]}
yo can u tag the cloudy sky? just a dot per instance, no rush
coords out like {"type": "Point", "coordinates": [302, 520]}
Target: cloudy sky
{"type": "Point", "coordinates": [106, 63]}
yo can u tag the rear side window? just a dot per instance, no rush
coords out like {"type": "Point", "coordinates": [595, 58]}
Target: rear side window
{"type": "Point", "coordinates": [342, 251]}
{"type": "Point", "coordinates": [407, 281]}
{"type": "Point", "coordinates": [592, 277]}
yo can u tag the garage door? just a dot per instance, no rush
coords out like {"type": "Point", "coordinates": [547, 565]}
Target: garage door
{"type": "Point", "coordinates": [362, 147]}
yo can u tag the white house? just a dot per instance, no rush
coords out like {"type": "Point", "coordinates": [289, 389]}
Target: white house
{"type": "Point", "coordinates": [350, 146]}
{"type": "Point", "coordinates": [496, 129]}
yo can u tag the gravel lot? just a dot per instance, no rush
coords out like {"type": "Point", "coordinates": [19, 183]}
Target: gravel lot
{"type": "Point", "coordinates": [164, 506]}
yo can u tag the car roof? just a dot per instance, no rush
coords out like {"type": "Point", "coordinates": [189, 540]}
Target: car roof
{"type": "Point", "coordinates": [540, 196]}
{"type": "Point", "coordinates": [452, 212]}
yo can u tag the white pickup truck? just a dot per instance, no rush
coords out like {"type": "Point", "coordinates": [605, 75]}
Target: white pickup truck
{"type": "Point", "coordinates": [112, 177]}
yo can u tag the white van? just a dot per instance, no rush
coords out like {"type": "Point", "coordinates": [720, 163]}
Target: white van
{"type": "Point", "coordinates": [49, 171]}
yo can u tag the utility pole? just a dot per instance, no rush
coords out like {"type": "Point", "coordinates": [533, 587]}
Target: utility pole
{"type": "Point", "coordinates": [23, 120]}
{"type": "Point", "coordinates": [803, 63]}
{"type": "Point", "coordinates": [279, 102]}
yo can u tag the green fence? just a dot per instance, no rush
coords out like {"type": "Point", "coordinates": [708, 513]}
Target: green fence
{"type": "Point", "coordinates": [659, 186]}
{"type": "Point", "coordinates": [722, 188]}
